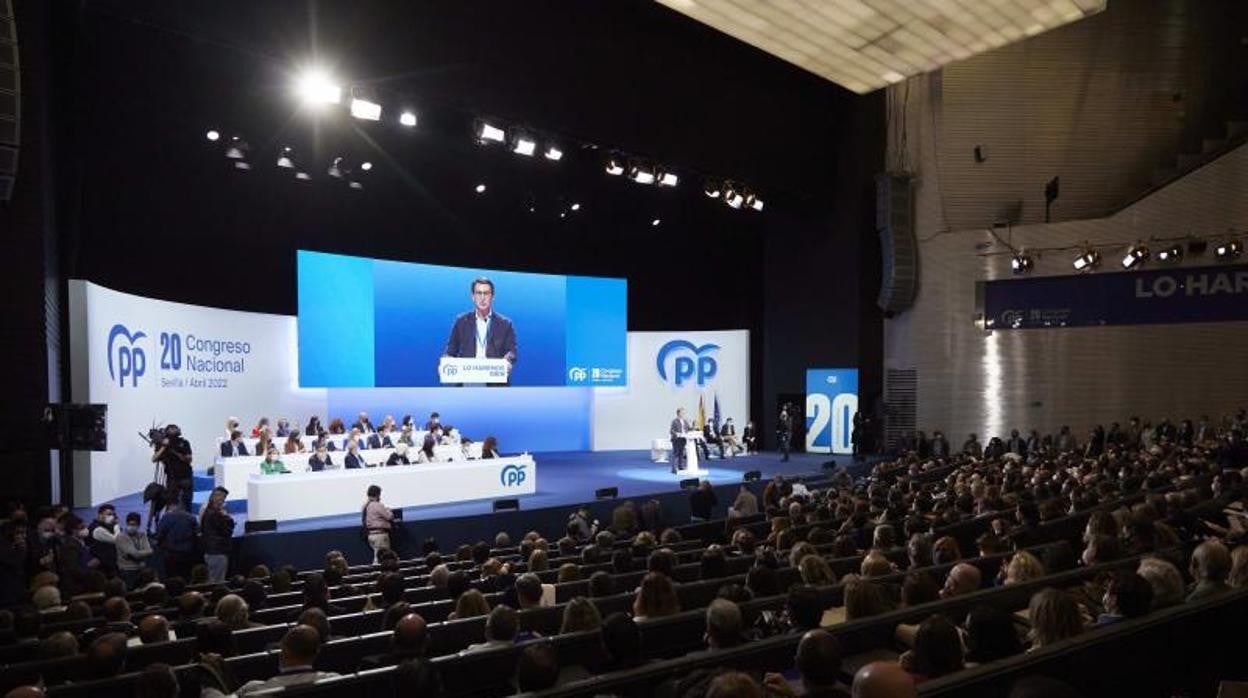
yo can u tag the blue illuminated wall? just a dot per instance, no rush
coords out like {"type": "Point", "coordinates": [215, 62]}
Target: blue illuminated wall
{"type": "Point", "coordinates": [831, 401]}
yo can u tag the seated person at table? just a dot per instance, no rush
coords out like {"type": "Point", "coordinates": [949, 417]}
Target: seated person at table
{"type": "Point", "coordinates": [450, 436]}
{"type": "Point", "coordinates": [489, 448]}
{"type": "Point", "coordinates": [265, 442]}
{"type": "Point", "coordinates": [711, 438]}
{"type": "Point", "coordinates": [426, 453]}
{"type": "Point", "coordinates": [362, 423]}
{"type": "Point", "coordinates": [408, 436]}
{"type": "Point", "coordinates": [336, 426]}
{"type": "Point", "coordinates": [353, 458]}
{"type": "Point", "coordinates": [314, 427]}
{"type": "Point", "coordinates": [388, 423]}
{"type": "Point", "coordinates": [381, 439]}
{"type": "Point", "coordinates": [324, 439]}
{"type": "Point", "coordinates": [272, 463]}
{"type": "Point", "coordinates": [728, 434]}
{"type": "Point", "coordinates": [320, 460]}
{"type": "Point", "coordinates": [399, 456]}
{"type": "Point", "coordinates": [231, 426]}
{"type": "Point", "coordinates": [262, 425]}
{"type": "Point", "coordinates": [435, 421]}
{"type": "Point", "coordinates": [283, 427]}
{"type": "Point", "coordinates": [294, 444]}
{"type": "Point", "coordinates": [408, 421]}
{"type": "Point", "coordinates": [235, 446]}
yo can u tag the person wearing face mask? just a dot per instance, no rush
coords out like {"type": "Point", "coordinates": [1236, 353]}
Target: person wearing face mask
{"type": "Point", "coordinates": [320, 460]}
{"type": "Point", "coordinates": [41, 549]}
{"type": "Point", "coordinates": [353, 458]}
{"type": "Point", "coordinates": [101, 535]}
{"type": "Point", "coordinates": [133, 550]}
{"type": "Point", "coordinates": [272, 464]}
{"type": "Point", "coordinates": [73, 560]}
{"type": "Point", "coordinates": [216, 534]}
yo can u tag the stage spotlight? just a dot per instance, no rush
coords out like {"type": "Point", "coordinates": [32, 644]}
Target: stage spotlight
{"type": "Point", "coordinates": [1021, 263]}
{"type": "Point", "coordinates": [355, 185]}
{"type": "Point", "coordinates": [488, 133]}
{"type": "Point", "coordinates": [524, 145]}
{"type": "Point", "coordinates": [753, 202]}
{"type": "Point", "coordinates": [712, 189]}
{"type": "Point", "coordinates": [364, 109]}
{"type": "Point", "coordinates": [1231, 249]}
{"type": "Point", "coordinates": [286, 158]}
{"type": "Point", "coordinates": [366, 166]}
{"type": "Point", "coordinates": [242, 165]}
{"type": "Point", "coordinates": [667, 179]}
{"type": "Point", "coordinates": [337, 168]}
{"type": "Point", "coordinates": [553, 153]}
{"type": "Point", "coordinates": [315, 88]}
{"type": "Point", "coordinates": [1171, 254]}
{"type": "Point", "coordinates": [655, 223]}
{"type": "Point", "coordinates": [480, 189]}
{"type": "Point", "coordinates": [614, 167]}
{"type": "Point", "coordinates": [575, 207]}
{"type": "Point", "coordinates": [303, 176]}
{"type": "Point", "coordinates": [1137, 255]}
{"type": "Point", "coordinates": [213, 135]}
{"type": "Point", "coordinates": [238, 149]}
{"type": "Point", "coordinates": [733, 197]}
{"type": "Point", "coordinates": [1087, 260]}
{"type": "Point", "coordinates": [407, 118]}
{"type": "Point", "coordinates": [641, 174]}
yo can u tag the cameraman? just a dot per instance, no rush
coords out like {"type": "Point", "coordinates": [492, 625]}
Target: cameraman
{"type": "Point", "coordinates": [174, 452]}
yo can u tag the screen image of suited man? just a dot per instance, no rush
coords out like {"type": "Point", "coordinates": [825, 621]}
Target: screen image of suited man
{"type": "Point", "coordinates": [174, 453]}
{"type": "Point", "coordinates": [481, 332]}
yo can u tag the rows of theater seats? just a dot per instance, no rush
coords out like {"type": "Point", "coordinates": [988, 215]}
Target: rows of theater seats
{"type": "Point", "coordinates": [675, 641]}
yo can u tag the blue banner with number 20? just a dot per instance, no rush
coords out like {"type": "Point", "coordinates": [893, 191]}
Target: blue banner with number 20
{"type": "Point", "coordinates": [831, 401]}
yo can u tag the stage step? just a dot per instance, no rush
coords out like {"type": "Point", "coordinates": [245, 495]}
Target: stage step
{"type": "Point", "coordinates": [203, 481]}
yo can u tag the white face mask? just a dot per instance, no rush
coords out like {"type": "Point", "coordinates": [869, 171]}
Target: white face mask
{"type": "Point", "coordinates": [110, 519]}
{"type": "Point", "coordinates": [132, 530]}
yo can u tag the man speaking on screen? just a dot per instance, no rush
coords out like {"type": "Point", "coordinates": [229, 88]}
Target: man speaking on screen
{"type": "Point", "coordinates": [482, 333]}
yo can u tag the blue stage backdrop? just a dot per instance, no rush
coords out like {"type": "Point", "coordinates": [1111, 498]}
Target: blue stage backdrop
{"type": "Point", "coordinates": [378, 323]}
{"type": "Point", "coordinates": [1197, 294]}
{"type": "Point", "coordinates": [831, 401]}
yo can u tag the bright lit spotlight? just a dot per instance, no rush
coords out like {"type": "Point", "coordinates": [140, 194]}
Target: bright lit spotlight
{"type": "Point", "coordinates": [336, 168]}
{"type": "Point", "coordinates": [712, 189]}
{"type": "Point", "coordinates": [286, 158]}
{"type": "Point", "coordinates": [553, 153]}
{"type": "Point", "coordinates": [754, 202]}
{"type": "Point", "coordinates": [303, 177]}
{"type": "Point", "coordinates": [1021, 263]}
{"type": "Point", "coordinates": [667, 179]}
{"type": "Point", "coordinates": [237, 149]}
{"type": "Point", "coordinates": [366, 166]}
{"type": "Point", "coordinates": [1137, 255]}
{"type": "Point", "coordinates": [364, 109]}
{"type": "Point", "coordinates": [733, 197]}
{"type": "Point", "coordinates": [1087, 260]}
{"type": "Point", "coordinates": [1231, 249]}
{"type": "Point", "coordinates": [241, 165]}
{"type": "Point", "coordinates": [524, 146]}
{"type": "Point", "coordinates": [213, 135]}
{"type": "Point", "coordinates": [355, 185]}
{"type": "Point", "coordinates": [315, 88]}
{"type": "Point", "coordinates": [1171, 254]}
{"type": "Point", "coordinates": [407, 118]}
{"type": "Point", "coordinates": [641, 174]}
{"type": "Point", "coordinates": [487, 132]}
{"type": "Point", "coordinates": [655, 223]}
{"type": "Point", "coordinates": [614, 167]}
{"type": "Point", "coordinates": [575, 207]}
{"type": "Point", "coordinates": [480, 188]}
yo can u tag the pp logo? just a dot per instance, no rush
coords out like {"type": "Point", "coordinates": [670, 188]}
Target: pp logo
{"type": "Point", "coordinates": [1012, 318]}
{"type": "Point", "coordinates": [512, 475]}
{"type": "Point", "coordinates": [450, 370]}
{"type": "Point", "coordinates": [130, 362]}
{"type": "Point", "coordinates": [688, 362]}
{"type": "Point", "coordinates": [577, 374]}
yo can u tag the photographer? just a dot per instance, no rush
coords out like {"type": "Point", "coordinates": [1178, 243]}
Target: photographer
{"type": "Point", "coordinates": [174, 452]}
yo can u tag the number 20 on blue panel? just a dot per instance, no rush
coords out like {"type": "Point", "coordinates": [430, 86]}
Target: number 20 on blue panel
{"type": "Point", "coordinates": [831, 401]}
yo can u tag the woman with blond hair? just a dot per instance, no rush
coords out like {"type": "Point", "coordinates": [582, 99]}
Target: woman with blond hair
{"type": "Point", "coordinates": [1023, 567]}
{"type": "Point", "coordinates": [656, 597]}
{"type": "Point", "coordinates": [470, 604]}
{"type": "Point", "coordinates": [1054, 617]}
{"type": "Point", "coordinates": [580, 615]}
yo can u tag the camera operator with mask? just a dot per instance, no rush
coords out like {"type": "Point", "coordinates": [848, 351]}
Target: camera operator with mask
{"type": "Point", "coordinates": [174, 452]}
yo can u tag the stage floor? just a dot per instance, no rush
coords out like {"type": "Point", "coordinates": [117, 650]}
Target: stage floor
{"type": "Point", "coordinates": [564, 479]}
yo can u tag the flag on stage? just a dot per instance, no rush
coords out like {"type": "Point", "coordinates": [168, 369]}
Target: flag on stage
{"type": "Point", "coordinates": [715, 414]}
{"type": "Point", "coordinates": [701, 413]}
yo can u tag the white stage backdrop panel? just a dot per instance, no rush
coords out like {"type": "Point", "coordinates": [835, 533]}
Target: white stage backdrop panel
{"type": "Point", "coordinates": [158, 362]}
{"type": "Point", "coordinates": [667, 370]}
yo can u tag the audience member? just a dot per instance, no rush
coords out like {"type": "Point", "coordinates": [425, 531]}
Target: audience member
{"type": "Point", "coordinates": [296, 662]}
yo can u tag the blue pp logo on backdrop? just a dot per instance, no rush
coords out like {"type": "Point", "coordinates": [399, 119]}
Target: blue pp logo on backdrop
{"type": "Point", "coordinates": [688, 363]}
{"type": "Point", "coordinates": [512, 475]}
{"type": "Point", "coordinates": [831, 401]}
{"type": "Point", "coordinates": [126, 358]}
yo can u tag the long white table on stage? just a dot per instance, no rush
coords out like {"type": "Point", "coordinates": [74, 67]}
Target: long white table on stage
{"type": "Point", "coordinates": [331, 492]}
{"type": "Point", "coordinates": [232, 473]}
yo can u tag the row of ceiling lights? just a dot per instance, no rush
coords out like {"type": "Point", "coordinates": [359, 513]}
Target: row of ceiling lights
{"type": "Point", "coordinates": [1089, 257]}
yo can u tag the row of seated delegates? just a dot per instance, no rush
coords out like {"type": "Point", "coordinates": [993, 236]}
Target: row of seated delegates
{"type": "Point", "coordinates": [314, 427]}
{"type": "Point", "coordinates": [294, 443]}
{"type": "Point", "coordinates": [321, 459]}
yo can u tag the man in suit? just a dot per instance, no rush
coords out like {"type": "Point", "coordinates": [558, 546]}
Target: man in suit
{"type": "Point", "coordinates": [784, 432]}
{"type": "Point", "coordinates": [679, 426]}
{"type": "Point", "coordinates": [363, 424]}
{"type": "Point", "coordinates": [728, 434]}
{"type": "Point", "coordinates": [481, 332]}
{"type": "Point", "coordinates": [435, 421]}
{"type": "Point", "coordinates": [408, 642]}
{"type": "Point", "coordinates": [711, 436]}
{"type": "Point", "coordinates": [235, 446]}
{"type": "Point", "coordinates": [381, 439]}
